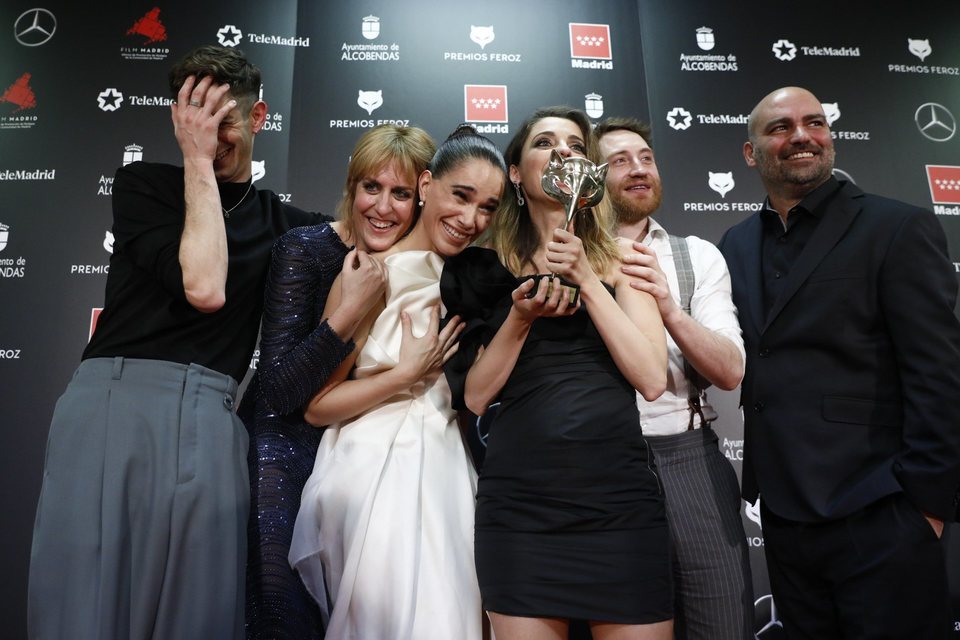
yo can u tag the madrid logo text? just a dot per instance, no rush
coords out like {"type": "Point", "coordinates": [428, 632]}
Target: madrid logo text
{"type": "Point", "coordinates": [486, 103]}
{"type": "Point", "coordinates": [590, 46]}
{"type": "Point", "coordinates": [944, 182]}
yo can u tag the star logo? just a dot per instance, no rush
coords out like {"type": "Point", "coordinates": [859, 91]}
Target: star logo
{"type": "Point", "coordinates": [229, 36]}
{"type": "Point", "coordinates": [34, 27]}
{"type": "Point", "coordinates": [784, 50]}
{"type": "Point", "coordinates": [679, 118]}
{"type": "Point", "coordinates": [109, 99]}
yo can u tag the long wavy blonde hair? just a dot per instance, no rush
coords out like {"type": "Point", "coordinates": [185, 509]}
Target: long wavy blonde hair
{"type": "Point", "coordinates": [512, 233]}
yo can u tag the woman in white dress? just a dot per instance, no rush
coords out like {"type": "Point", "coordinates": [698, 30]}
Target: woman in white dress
{"type": "Point", "coordinates": [384, 537]}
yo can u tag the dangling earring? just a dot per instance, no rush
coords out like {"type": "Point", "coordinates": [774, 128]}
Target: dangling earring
{"type": "Point", "coordinates": [520, 200]}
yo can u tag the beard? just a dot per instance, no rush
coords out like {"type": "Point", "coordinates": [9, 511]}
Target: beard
{"type": "Point", "coordinates": [773, 170]}
{"type": "Point", "coordinates": [630, 211]}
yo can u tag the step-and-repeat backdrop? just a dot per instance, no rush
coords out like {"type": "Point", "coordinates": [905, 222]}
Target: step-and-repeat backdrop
{"type": "Point", "coordinates": [83, 91]}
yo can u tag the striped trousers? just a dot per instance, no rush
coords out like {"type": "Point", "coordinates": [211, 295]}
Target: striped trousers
{"type": "Point", "coordinates": [713, 589]}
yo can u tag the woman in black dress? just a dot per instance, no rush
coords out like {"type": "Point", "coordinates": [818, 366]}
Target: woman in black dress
{"type": "Point", "coordinates": [570, 520]}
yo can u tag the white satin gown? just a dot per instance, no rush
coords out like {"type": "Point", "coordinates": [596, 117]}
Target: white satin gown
{"type": "Point", "coordinates": [385, 527]}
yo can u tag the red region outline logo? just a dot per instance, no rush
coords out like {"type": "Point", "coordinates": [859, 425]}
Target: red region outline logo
{"type": "Point", "coordinates": [150, 27]}
{"type": "Point", "coordinates": [20, 94]}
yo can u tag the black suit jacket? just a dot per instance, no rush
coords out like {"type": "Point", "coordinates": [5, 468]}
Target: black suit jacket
{"type": "Point", "coordinates": [852, 383]}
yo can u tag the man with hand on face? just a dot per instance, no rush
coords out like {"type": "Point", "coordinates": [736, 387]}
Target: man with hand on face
{"type": "Point", "coordinates": [141, 526]}
{"type": "Point", "coordinates": [713, 592]}
{"type": "Point", "coordinates": [852, 443]}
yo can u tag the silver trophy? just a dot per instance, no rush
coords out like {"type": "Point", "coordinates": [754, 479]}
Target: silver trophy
{"type": "Point", "coordinates": [578, 184]}
{"type": "Point", "coordinates": [574, 181]}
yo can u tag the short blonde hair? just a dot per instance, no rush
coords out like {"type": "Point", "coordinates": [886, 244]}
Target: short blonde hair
{"type": "Point", "coordinates": [410, 148]}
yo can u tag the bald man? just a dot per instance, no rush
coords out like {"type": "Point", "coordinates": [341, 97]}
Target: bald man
{"type": "Point", "coordinates": [846, 301]}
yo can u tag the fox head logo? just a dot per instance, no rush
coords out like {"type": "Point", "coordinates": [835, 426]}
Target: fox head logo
{"type": "Point", "coordinates": [919, 48]}
{"type": "Point", "coordinates": [370, 100]}
{"type": "Point", "coordinates": [482, 35]}
{"type": "Point", "coordinates": [720, 182]}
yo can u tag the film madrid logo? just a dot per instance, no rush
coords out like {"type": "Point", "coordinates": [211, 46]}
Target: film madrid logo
{"type": "Point", "coordinates": [706, 42]}
{"type": "Point", "coordinates": [486, 103]}
{"type": "Point", "coordinates": [921, 48]}
{"type": "Point", "coordinates": [10, 267]}
{"type": "Point", "coordinates": [944, 181]}
{"type": "Point", "coordinates": [590, 46]}
{"type": "Point", "coordinates": [230, 36]}
{"type": "Point", "coordinates": [149, 31]}
{"type": "Point", "coordinates": [482, 36]}
{"type": "Point", "coordinates": [369, 51]}
{"type": "Point", "coordinates": [22, 99]}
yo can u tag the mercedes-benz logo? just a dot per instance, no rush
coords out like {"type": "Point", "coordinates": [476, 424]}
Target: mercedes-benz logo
{"type": "Point", "coordinates": [34, 27]}
{"type": "Point", "coordinates": [935, 121]}
{"type": "Point", "coordinates": [840, 174]}
{"type": "Point", "coordinates": [766, 625]}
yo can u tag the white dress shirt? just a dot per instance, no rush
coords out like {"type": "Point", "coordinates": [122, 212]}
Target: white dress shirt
{"type": "Point", "coordinates": [712, 306]}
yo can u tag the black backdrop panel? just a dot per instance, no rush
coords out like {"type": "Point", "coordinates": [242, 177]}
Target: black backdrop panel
{"type": "Point", "coordinates": [77, 104]}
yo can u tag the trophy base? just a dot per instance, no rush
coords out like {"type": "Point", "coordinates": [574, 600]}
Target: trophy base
{"type": "Point", "coordinates": [570, 290]}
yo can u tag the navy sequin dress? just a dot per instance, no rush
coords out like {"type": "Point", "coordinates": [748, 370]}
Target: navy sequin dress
{"type": "Point", "coordinates": [298, 353]}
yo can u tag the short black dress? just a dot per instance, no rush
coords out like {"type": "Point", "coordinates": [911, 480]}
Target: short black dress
{"type": "Point", "coordinates": [570, 519]}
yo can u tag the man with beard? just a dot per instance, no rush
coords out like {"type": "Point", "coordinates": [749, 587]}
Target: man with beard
{"type": "Point", "coordinates": [689, 280]}
{"type": "Point", "coordinates": [846, 301]}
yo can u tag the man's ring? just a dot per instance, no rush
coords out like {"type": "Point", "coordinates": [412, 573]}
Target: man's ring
{"type": "Point", "coordinates": [194, 103]}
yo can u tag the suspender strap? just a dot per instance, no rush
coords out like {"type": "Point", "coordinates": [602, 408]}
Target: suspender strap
{"type": "Point", "coordinates": [687, 281]}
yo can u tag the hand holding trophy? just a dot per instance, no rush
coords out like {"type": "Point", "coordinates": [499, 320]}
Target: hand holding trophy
{"type": "Point", "coordinates": [578, 183]}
